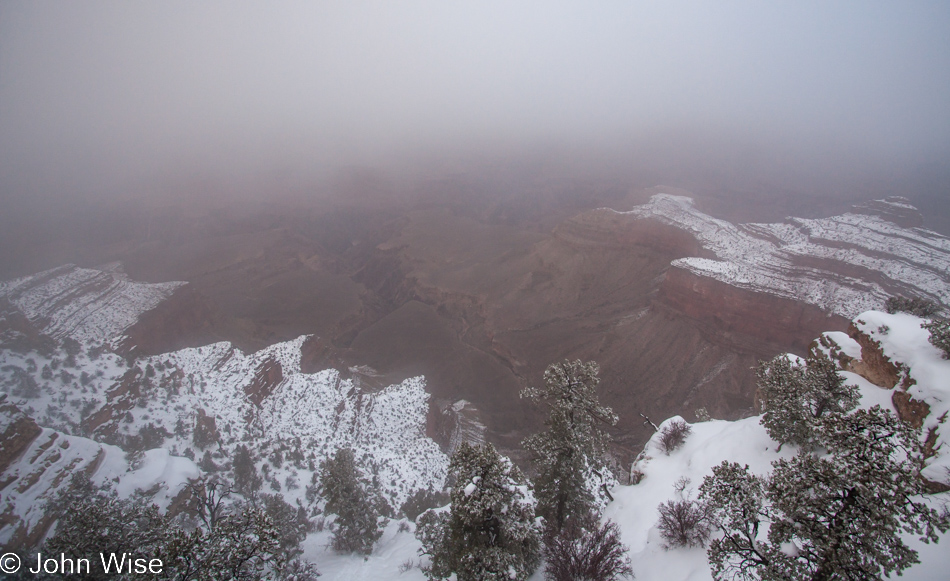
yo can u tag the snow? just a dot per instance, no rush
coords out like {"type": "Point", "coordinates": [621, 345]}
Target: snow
{"type": "Point", "coordinates": [801, 259]}
{"type": "Point", "coordinates": [160, 469]}
{"type": "Point", "coordinates": [47, 465]}
{"type": "Point", "coordinates": [470, 488]}
{"type": "Point", "coordinates": [391, 552]}
{"type": "Point", "coordinates": [744, 441]}
{"type": "Point", "coordinates": [906, 344]}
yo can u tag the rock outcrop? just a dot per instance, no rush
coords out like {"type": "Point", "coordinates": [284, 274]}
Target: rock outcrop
{"type": "Point", "coordinates": [843, 265]}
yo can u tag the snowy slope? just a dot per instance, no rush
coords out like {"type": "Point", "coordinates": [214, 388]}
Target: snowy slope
{"type": "Point", "coordinates": [297, 421]}
{"type": "Point", "coordinates": [46, 466]}
{"type": "Point", "coordinates": [743, 441]}
{"type": "Point", "coordinates": [85, 304]}
{"type": "Point", "coordinates": [844, 264]}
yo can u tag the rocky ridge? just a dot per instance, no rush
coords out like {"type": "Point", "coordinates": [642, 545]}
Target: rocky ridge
{"type": "Point", "coordinates": [843, 265]}
{"type": "Point", "coordinates": [83, 303]}
{"type": "Point", "coordinates": [77, 402]}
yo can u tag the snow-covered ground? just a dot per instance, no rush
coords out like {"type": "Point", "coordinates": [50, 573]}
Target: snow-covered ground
{"type": "Point", "coordinates": [844, 264]}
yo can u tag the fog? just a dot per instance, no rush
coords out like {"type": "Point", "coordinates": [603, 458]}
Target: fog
{"type": "Point", "coordinates": [137, 99]}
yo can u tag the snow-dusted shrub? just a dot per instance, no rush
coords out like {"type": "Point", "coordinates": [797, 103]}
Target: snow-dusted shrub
{"type": "Point", "coordinates": [94, 519]}
{"type": "Point", "coordinates": [683, 523]}
{"type": "Point", "coordinates": [939, 335]}
{"type": "Point", "coordinates": [422, 500]}
{"type": "Point", "coordinates": [915, 306]}
{"type": "Point", "coordinates": [702, 415]}
{"type": "Point", "coordinates": [291, 522]}
{"type": "Point", "coordinates": [586, 549]}
{"type": "Point", "coordinates": [673, 435]}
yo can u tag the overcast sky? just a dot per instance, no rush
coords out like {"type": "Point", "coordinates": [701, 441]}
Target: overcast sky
{"type": "Point", "coordinates": [98, 96]}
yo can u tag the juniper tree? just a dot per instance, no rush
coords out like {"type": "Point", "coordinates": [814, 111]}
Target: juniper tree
{"type": "Point", "coordinates": [489, 533]}
{"type": "Point", "coordinates": [795, 396]}
{"type": "Point", "coordinates": [838, 516]}
{"type": "Point", "coordinates": [247, 480]}
{"type": "Point", "coordinates": [242, 545]}
{"type": "Point", "coordinates": [93, 519]}
{"type": "Point", "coordinates": [347, 495]}
{"type": "Point", "coordinates": [573, 448]}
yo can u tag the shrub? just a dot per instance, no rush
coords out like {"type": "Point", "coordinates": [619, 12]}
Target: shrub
{"type": "Point", "coordinates": [422, 500]}
{"type": "Point", "coordinates": [939, 335]}
{"type": "Point", "coordinates": [673, 435]}
{"type": "Point", "coordinates": [683, 523]}
{"type": "Point", "coordinates": [915, 306]}
{"type": "Point", "coordinates": [586, 549]}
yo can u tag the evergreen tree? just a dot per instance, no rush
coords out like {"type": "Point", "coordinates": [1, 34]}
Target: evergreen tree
{"type": "Point", "coordinates": [242, 545]}
{"type": "Point", "coordinates": [795, 396]}
{"type": "Point", "coordinates": [93, 520]}
{"type": "Point", "coordinates": [247, 480]}
{"type": "Point", "coordinates": [238, 542]}
{"type": "Point", "coordinates": [838, 516]}
{"type": "Point", "coordinates": [489, 533]}
{"type": "Point", "coordinates": [571, 453]}
{"type": "Point", "coordinates": [292, 523]}
{"type": "Point", "coordinates": [357, 526]}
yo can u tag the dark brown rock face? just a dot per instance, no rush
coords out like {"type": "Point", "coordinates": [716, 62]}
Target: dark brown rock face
{"type": "Point", "coordinates": [268, 376]}
{"type": "Point", "coordinates": [19, 430]}
{"type": "Point", "coordinates": [183, 320]}
{"type": "Point", "coordinates": [206, 430]}
{"type": "Point", "coordinates": [874, 365]}
{"type": "Point", "coordinates": [747, 314]}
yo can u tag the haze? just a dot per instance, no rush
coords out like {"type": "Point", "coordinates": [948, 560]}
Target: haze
{"type": "Point", "coordinates": [99, 99]}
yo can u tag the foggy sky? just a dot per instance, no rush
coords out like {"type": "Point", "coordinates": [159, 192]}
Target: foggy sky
{"type": "Point", "coordinates": [108, 97]}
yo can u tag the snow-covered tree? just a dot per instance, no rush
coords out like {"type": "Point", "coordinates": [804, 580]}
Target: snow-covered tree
{"type": "Point", "coordinates": [571, 453]}
{"type": "Point", "coordinates": [291, 522]}
{"type": "Point", "coordinates": [93, 520]}
{"type": "Point", "coordinates": [229, 542]}
{"type": "Point", "coordinates": [490, 532]}
{"type": "Point", "coordinates": [794, 396]}
{"type": "Point", "coordinates": [835, 516]}
{"type": "Point", "coordinates": [357, 525]}
{"type": "Point", "coordinates": [242, 545]}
